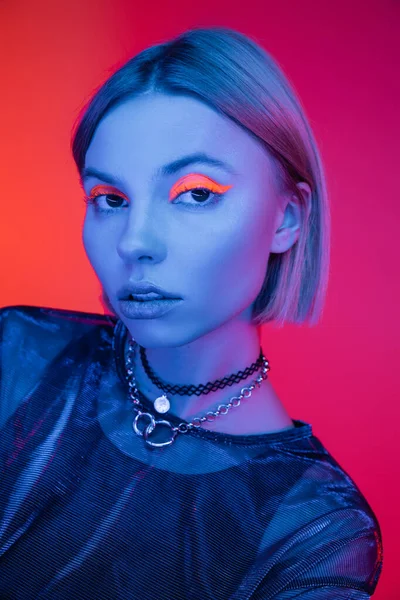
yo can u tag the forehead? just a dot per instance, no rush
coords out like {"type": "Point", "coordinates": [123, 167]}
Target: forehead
{"type": "Point", "coordinates": [151, 130]}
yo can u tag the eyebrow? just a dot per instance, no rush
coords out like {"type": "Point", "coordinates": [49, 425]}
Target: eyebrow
{"type": "Point", "coordinates": [168, 169]}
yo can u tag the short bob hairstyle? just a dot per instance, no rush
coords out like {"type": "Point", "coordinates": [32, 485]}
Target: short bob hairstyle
{"type": "Point", "coordinates": [231, 73]}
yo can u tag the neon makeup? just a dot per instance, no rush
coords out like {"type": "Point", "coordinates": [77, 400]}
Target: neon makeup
{"type": "Point", "coordinates": [100, 190]}
{"type": "Point", "coordinates": [194, 181]}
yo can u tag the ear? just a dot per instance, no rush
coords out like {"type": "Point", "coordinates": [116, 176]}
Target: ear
{"type": "Point", "coordinates": [294, 210]}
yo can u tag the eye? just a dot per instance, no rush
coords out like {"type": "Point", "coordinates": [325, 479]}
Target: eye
{"type": "Point", "coordinates": [106, 202]}
{"type": "Point", "coordinates": [200, 187]}
{"type": "Point", "coordinates": [106, 199]}
{"type": "Point", "coordinates": [200, 195]}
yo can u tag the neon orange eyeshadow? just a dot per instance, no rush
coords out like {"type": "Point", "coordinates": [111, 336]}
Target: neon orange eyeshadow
{"type": "Point", "coordinates": [192, 181]}
{"type": "Point", "coordinates": [99, 190]}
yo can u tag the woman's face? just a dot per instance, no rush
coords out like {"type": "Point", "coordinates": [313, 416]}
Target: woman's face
{"type": "Point", "coordinates": [210, 251]}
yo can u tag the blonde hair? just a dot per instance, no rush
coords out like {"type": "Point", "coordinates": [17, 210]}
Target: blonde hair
{"type": "Point", "coordinates": [234, 75]}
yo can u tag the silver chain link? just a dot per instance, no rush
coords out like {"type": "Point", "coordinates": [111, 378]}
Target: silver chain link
{"type": "Point", "coordinates": [210, 416]}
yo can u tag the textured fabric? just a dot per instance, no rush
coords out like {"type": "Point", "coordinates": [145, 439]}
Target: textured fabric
{"type": "Point", "coordinates": [87, 511]}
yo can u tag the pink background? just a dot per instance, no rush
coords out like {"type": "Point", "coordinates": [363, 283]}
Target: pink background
{"type": "Point", "coordinates": [343, 59]}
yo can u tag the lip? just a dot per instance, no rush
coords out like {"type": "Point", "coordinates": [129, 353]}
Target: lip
{"type": "Point", "coordinates": [150, 309]}
{"type": "Point", "coordinates": [143, 287]}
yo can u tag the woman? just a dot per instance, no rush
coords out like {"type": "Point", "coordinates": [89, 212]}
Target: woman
{"type": "Point", "coordinates": [146, 454]}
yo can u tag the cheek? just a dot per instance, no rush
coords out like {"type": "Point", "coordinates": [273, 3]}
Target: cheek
{"type": "Point", "coordinates": [93, 248]}
{"type": "Point", "coordinates": [233, 258]}
{"type": "Point", "coordinates": [87, 239]}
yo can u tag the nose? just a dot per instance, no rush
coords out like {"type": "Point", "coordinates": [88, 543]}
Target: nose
{"type": "Point", "coordinates": [141, 236]}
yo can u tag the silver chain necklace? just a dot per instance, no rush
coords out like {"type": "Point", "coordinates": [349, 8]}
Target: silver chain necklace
{"type": "Point", "coordinates": [163, 404]}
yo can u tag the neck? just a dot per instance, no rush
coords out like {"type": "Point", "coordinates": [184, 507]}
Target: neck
{"type": "Point", "coordinates": [203, 360]}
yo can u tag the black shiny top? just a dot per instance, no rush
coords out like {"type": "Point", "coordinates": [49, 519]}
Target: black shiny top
{"type": "Point", "coordinates": [88, 511]}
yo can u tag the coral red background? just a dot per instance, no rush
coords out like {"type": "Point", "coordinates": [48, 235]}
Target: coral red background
{"type": "Point", "coordinates": [343, 59]}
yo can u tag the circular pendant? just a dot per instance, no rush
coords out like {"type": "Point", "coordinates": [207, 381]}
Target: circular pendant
{"type": "Point", "coordinates": [162, 404]}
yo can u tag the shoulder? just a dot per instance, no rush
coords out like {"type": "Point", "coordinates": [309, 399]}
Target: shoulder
{"type": "Point", "coordinates": [40, 316]}
{"type": "Point", "coordinates": [324, 526]}
{"type": "Point", "coordinates": [36, 326]}
{"type": "Point", "coordinates": [30, 338]}
{"type": "Point", "coordinates": [319, 486]}
{"type": "Point", "coordinates": [339, 550]}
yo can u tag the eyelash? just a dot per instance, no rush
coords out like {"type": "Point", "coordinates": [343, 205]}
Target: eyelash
{"type": "Point", "coordinates": [92, 200]}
